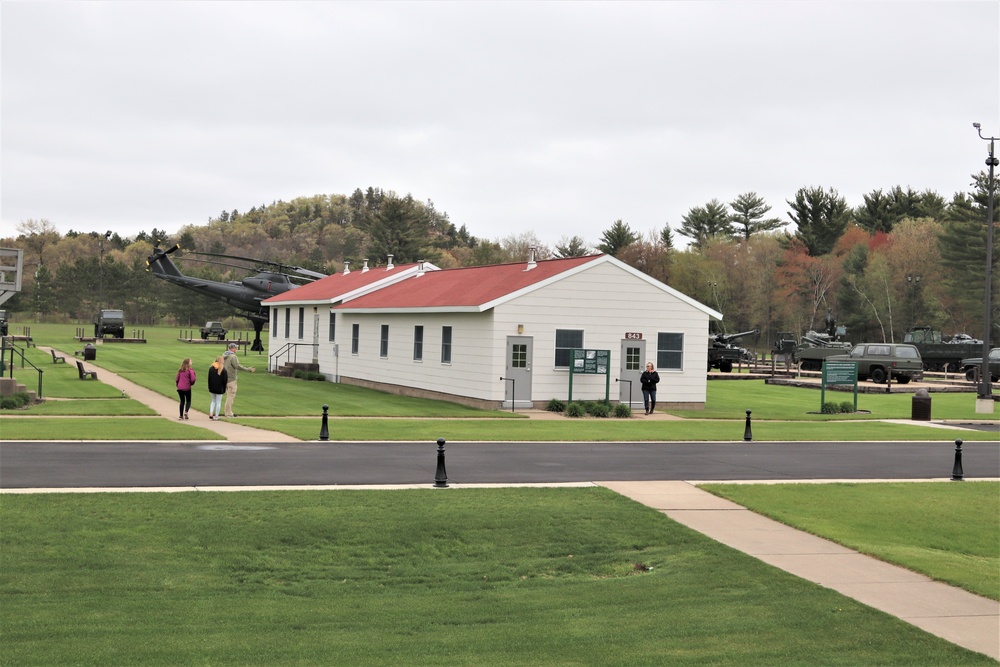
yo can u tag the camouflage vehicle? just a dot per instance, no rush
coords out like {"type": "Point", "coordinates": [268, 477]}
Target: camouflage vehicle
{"type": "Point", "coordinates": [940, 354]}
{"type": "Point", "coordinates": [974, 365]}
{"type": "Point", "coordinates": [877, 361]}
{"type": "Point", "coordinates": [815, 347]}
{"type": "Point", "coordinates": [722, 354]}
{"type": "Point", "coordinates": [213, 330]}
{"type": "Point", "coordinates": [109, 323]}
{"type": "Point", "coordinates": [3, 323]}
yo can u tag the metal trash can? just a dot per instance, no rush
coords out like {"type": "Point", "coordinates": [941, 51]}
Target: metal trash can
{"type": "Point", "coordinates": [89, 352]}
{"type": "Point", "coordinates": [920, 408]}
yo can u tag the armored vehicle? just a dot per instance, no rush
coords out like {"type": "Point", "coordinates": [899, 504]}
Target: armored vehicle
{"type": "Point", "coordinates": [939, 354]}
{"type": "Point", "coordinates": [877, 361]}
{"type": "Point", "coordinates": [972, 365]}
{"type": "Point", "coordinates": [109, 323]}
{"type": "Point", "coordinates": [815, 347]}
{"type": "Point", "coordinates": [3, 323]}
{"type": "Point", "coordinates": [213, 330]}
{"type": "Point", "coordinates": [722, 354]}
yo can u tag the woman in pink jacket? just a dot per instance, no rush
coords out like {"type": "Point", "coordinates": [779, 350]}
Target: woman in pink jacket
{"type": "Point", "coordinates": [185, 380]}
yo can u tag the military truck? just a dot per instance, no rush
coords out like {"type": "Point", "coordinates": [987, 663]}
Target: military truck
{"type": "Point", "coordinates": [3, 323]}
{"type": "Point", "coordinates": [213, 330]}
{"type": "Point", "coordinates": [974, 365]}
{"type": "Point", "coordinates": [877, 361]}
{"type": "Point", "coordinates": [940, 354]}
{"type": "Point", "coordinates": [109, 323]}
{"type": "Point", "coordinates": [722, 354]}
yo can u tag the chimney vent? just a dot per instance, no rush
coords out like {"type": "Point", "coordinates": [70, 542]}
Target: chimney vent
{"type": "Point", "coordinates": [365, 267]}
{"type": "Point", "coordinates": [389, 266]}
{"type": "Point", "coordinates": [347, 268]}
{"type": "Point", "coordinates": [531, 259]}
{"type": "Point", "coordinates": [420, 267]}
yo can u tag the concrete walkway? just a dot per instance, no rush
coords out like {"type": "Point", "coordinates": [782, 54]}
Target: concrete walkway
{"type": "Point", "coordinates": [168, 408]}
{"type": "Point", "coordinates": [960, 617]}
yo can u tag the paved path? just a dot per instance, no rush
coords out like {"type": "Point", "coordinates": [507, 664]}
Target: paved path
{"type": "Point", "coordinates": [948, 612]}
{"type": "Point", "coordinates": [168, 408]}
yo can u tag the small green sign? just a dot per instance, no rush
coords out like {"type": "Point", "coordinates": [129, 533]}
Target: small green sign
{"type": "Point", "coordinates": [839, 372]}
{"type": "Point", "coordinates": [590, 362]}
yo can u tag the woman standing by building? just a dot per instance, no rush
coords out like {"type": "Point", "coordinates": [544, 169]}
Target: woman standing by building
{"type": "Point", "coordinates": [649, 379]}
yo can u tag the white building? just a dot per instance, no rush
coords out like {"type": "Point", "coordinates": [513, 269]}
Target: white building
{"type": "Point", "coordinates": [485, 336]}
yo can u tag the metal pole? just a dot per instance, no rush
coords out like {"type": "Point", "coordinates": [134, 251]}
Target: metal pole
{"type": "Point", "coordinates": [957, 475]}
{"type": "Point", "coordinates": [324, 430]}
{"type": "Point", "coordinates": [985, 386]}
{"type": "Point", "coordinates": [441, 475]}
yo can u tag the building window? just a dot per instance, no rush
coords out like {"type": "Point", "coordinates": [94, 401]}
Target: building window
{"type": "Point", "coordinates": [632, 360]}
{"type": "Point", "coordinates": [445, 345]}
{"type": "Point", "coordinates": [418, 343]}
{"type": "Point", "coordinates": [302, 322]}
{"type": "Point", "coordinates": [566, 340]}
{"type": "Point", "coordinates": [670, 351]}
{"type": "Point", "coordinates": [288, 323]}
{"type": "Point", "coordinates": [519, 355]}
{"type": "Point", "coordinates": [333, 326]}
{"type": "Point", "coordinates": [383, 350]}
{"type": "Point", "coordinates": [274, 323]}
{"type": "Point", "coordinates": [355, 337]}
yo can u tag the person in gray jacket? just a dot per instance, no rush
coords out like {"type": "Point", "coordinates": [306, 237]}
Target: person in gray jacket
{"type": "Point", "coordinates": [233, 367]}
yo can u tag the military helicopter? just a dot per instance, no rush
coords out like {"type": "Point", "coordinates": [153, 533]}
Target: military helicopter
{"type": "Point", "coordinates": [244, 295]}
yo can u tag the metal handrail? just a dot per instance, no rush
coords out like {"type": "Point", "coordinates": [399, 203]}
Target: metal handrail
{"type": "Point", "coordinates": [14, 348]}
{"type": "Point", "coordinates": [276, 357]}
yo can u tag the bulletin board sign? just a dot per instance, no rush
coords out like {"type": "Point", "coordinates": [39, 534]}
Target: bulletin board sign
{"type": "Point", "coordinates": [590, 362]}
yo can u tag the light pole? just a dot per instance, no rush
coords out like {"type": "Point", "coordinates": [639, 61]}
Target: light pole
{"type": "Point", "coordinates": [985, 386]}
{"type": "Point", "coordinates": [913, 282]}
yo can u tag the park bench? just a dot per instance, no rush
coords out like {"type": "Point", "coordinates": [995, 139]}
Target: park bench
{"type": "Point", "coordinates": [85, 374]}
{"type": "Point", "coordinates": [56, 359]}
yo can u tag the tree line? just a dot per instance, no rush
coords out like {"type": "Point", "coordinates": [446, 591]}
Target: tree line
{"type": "Point", "coordinates": [897, 259]}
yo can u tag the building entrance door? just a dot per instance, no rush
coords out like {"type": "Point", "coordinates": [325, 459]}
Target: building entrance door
{"type": "Point", "coordinates": [633, 362]}
{"type": "Point", "coordinates": [517, 376]}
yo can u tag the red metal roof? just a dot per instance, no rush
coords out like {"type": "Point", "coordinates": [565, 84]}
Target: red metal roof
{"type": "Point", "coordinates": [464, 287]}
{"type": "Point", "coordinates": [332, 288]}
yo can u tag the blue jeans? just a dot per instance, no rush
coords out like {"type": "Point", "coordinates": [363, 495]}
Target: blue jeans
{"type": "Point", "coordinates": [648, 396]}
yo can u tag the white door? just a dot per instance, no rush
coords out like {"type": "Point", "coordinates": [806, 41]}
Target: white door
{"type": "Point", "coordinates": [633, 362]}
{"type": "Point", "coordinates": [517, 376]}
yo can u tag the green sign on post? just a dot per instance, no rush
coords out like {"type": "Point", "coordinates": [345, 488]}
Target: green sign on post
{"type": "Point", "coordinates": [839, 372]}
{"type": "Point", "coordinates": [590, 362]}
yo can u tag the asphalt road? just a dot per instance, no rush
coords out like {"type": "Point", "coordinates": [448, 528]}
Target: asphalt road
{"type": "Point", "coordinates": [168, 464]}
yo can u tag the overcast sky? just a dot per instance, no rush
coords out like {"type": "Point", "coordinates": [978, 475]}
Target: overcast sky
{"type": "Point", "coordinates": [553, 118]}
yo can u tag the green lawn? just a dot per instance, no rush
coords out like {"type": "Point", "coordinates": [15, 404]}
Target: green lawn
{"type": "Point", "coordinates": [950, 532]}
{"type": "Point", "coordinates": [432, 577]}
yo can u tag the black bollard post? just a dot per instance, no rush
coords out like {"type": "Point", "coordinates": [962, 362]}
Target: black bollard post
{"type": "Point", "coordinates": [956, 473]}
{"type": "Point", "coordinates": [441, 476]}
{"type": "Point", "coordinates": [324, 430]}
{"type": "Point", "coordinates": [747, 435]}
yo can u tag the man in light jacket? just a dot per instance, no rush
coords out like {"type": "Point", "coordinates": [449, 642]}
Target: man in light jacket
{"type": "Point", "coordinates": [233, 367]}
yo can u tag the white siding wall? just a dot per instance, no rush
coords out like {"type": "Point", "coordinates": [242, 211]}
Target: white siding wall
{"type": "Point", "coordinates": [604, 301]}
{"type": "Point", "coordinates": [471, 366]}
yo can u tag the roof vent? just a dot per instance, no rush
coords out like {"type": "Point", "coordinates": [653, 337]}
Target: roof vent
{"type": "Point", "coordinates": [365, 267]}
{"type": "Point", "coordinates": [347, 268]}
{"type": "Point", "coordinates": [389, 266]}
{"type": "Point", "coordinates": [531, 259]}
{"type": "Point", "coordinates": [420, 267]}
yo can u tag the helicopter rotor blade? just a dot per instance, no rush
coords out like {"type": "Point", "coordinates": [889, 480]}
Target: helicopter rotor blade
{"type": "Point", "coordinates": [266, 262]}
